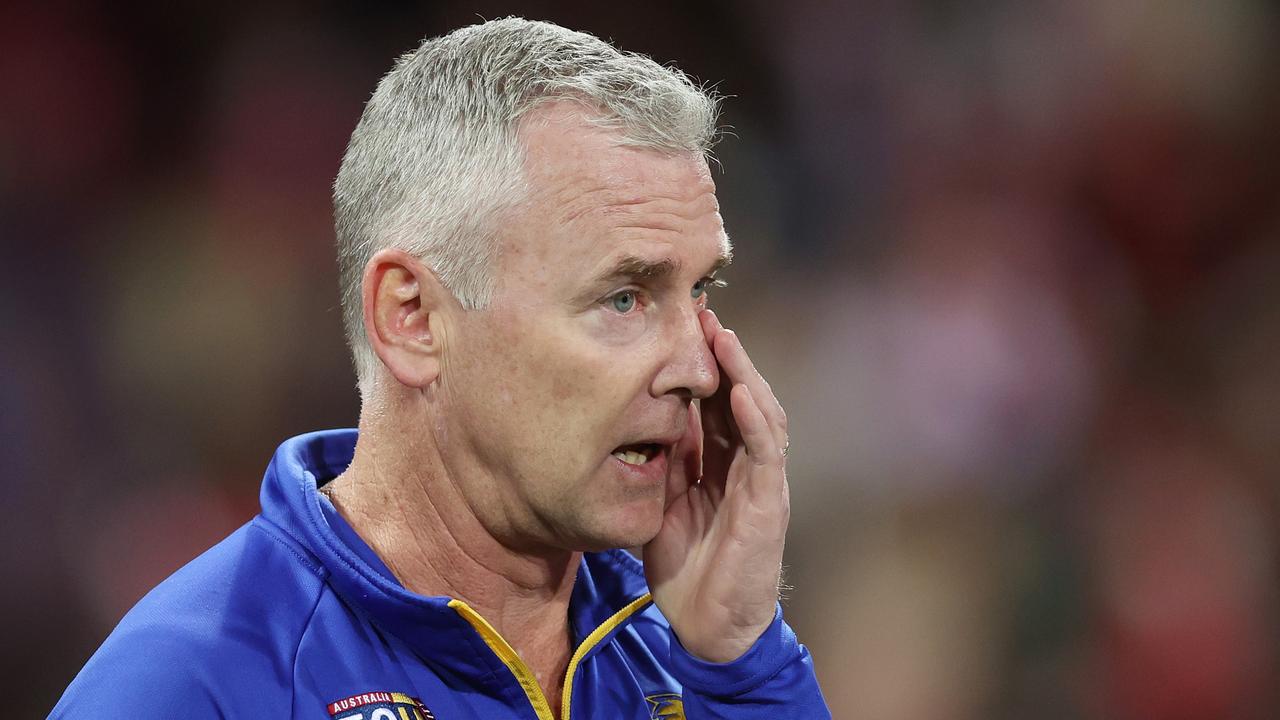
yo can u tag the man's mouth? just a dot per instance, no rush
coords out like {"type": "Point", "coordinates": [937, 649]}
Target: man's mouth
{"type": "Point", "coordinates": [638, 454]}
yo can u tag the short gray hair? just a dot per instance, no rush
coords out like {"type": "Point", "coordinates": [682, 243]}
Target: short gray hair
{"type": "Point", "coordinates": [435, 159]}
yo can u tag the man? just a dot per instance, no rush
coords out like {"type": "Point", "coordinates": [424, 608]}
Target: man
{"type": "Point", "coordinates": [528, 231]}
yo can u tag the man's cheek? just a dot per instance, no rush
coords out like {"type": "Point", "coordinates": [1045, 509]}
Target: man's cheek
{"type": "Point", "coordinates": [578, 382]}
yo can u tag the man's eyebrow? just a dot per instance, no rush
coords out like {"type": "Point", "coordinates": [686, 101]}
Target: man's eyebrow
{"type": "Point", "coordinates": [639, 268]}
{"type": "Point", "coordinates": [722, 262]}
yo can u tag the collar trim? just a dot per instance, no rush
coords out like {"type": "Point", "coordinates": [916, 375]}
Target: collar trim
{"type": "Point", "coordinates": [524, 676]}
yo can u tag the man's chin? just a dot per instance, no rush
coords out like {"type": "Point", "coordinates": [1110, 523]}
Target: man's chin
{"type": "Point", "coordinates": [629, 532]}
{"type": "Point", "coordinates": [605, 523]}
{"type": "Point", "coordinates": [613, 541]}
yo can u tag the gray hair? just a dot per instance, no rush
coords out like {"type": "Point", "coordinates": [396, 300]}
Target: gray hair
{"type": "Point", "coordinates": [435, 160]}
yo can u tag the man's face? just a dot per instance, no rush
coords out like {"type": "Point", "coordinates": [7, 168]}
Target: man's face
{"type": "Point", "coordinates": [564, 398]}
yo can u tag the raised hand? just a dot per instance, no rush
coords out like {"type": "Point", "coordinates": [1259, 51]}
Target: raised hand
{"type": "Point", "coordinates": [713, 567]}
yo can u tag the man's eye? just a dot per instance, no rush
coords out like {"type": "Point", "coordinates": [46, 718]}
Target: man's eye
{"type": "Point", "coordinates": [700, 288]}
{"type": "Point", "coordinates": [624, 301]}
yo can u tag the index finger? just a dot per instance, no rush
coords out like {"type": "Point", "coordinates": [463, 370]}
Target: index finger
{"type": "Point", "coordinates": [710, 325]}
{"type": "Point", "coordinates": [738, 368]}
{"type": "Point", "coordinates": [717, 415]}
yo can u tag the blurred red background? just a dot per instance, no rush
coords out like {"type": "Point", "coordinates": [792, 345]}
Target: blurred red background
{"type": "Point", "coordinates": [1011, 267]}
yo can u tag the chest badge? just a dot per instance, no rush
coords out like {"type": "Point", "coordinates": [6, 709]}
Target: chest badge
{"type": "Point", "coordinates": [380, 706]}
{"type": "Point", "coordinates": [665, 706]}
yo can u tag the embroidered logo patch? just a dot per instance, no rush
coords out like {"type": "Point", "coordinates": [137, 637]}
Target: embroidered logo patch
{"type": "Point", "coordinates": [381, 706]}
{"type": "Point", "coordinates": [665, 706]}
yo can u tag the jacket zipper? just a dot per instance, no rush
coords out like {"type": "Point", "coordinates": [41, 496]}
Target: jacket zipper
{"type": "Point", "coordinates": [521, 671]}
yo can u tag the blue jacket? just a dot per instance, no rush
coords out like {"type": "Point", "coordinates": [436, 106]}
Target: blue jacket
{"type": "Point", "coordinates": [294, 616]}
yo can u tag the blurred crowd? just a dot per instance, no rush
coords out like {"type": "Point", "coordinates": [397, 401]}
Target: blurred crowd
{"type": "Point", "coordinates": [1010, 266]}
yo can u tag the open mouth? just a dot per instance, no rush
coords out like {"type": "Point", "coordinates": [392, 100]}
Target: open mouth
{"type": "Point", "coordinates": [637, 454]}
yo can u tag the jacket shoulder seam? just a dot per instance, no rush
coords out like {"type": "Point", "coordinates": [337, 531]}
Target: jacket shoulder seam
{"type": "Point", "coordinates": [272, 531]}
{"type": "Point", "coordinates": [297, 650]}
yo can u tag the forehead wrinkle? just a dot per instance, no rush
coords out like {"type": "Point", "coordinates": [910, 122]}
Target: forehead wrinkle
{"type": "Point", "coordinates": [701, 202]}
{"type": "Point", "coordinates": [693, 216]}
{"type": "Point", "coordinates": [641, 211]}
{"type": "Point", "coordinates": [651, 209]}
{"type": "Point", "coordinates": [609, 189]}
{"type": "Point", "coordinates": [577, 201]}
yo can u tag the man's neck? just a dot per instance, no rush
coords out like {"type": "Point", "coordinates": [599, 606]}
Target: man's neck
{"type": "Point", "coordinates": [411, 513]}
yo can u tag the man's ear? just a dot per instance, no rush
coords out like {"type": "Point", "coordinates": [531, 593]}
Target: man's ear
{"type": "Point", "coordinates": [403, 302]}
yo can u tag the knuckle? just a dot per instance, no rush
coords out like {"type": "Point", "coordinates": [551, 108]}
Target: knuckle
{"type": "Point", "coordinates": [769, 459]}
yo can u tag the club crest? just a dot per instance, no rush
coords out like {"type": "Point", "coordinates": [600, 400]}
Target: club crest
{"type": "Point", "coordinates": [380, 706]}
{"type": "Point", "coordinates": [666, 706]}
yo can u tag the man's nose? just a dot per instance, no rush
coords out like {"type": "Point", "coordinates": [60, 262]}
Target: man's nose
{"type": "Point", "coordinates": [691, 367]}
